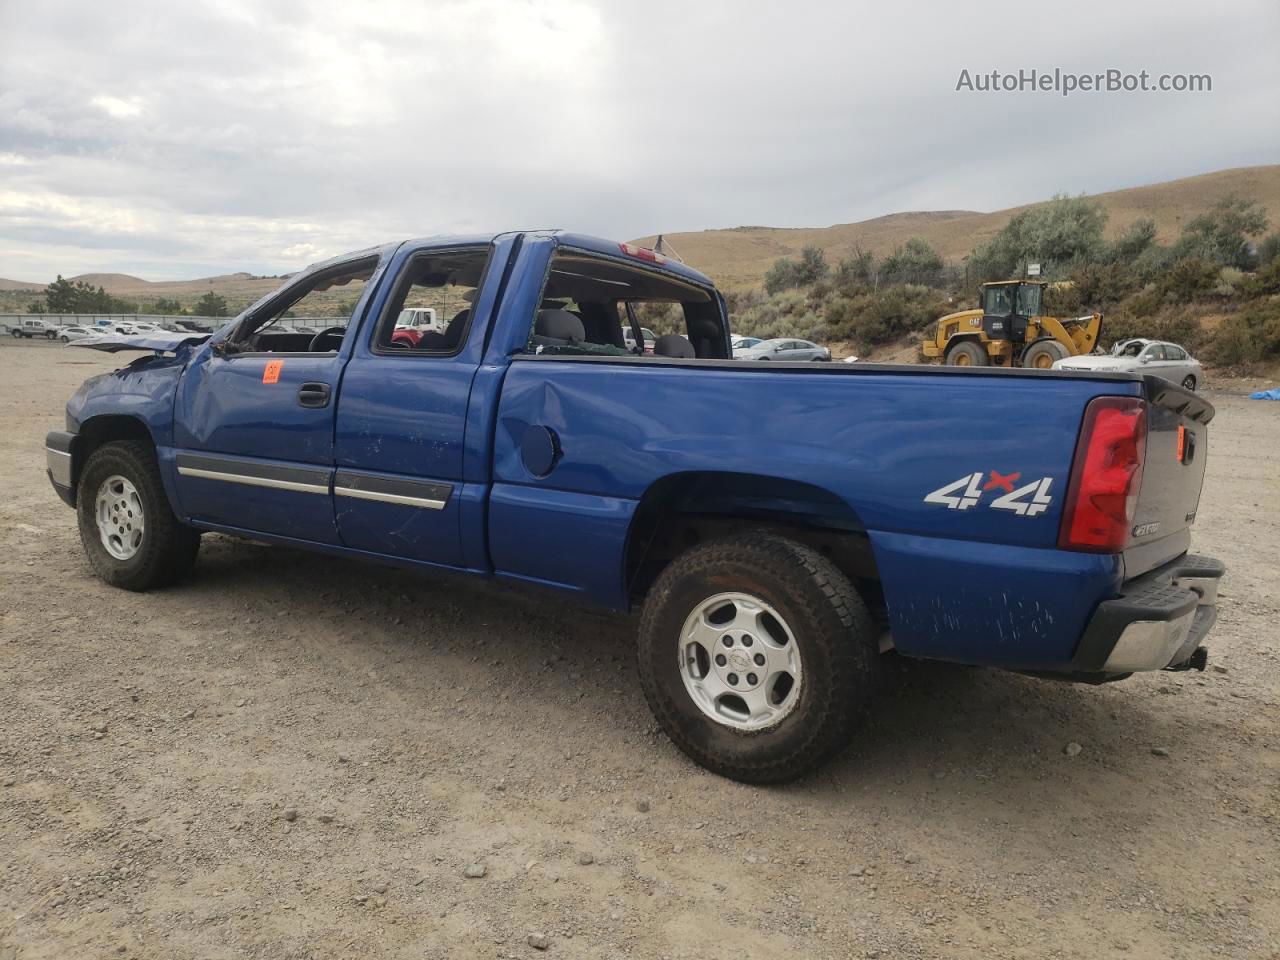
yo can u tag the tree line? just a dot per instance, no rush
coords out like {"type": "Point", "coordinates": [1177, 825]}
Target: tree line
{"type": "Point", "coordinates": [78, 296]}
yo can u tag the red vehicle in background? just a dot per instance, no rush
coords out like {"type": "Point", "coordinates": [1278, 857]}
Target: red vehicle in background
{"type": "Point", "coordinates": [412, 323]}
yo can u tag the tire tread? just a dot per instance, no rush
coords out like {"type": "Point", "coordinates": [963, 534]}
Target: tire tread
{"type": "Point", "coordinates": [849, 645]}
{"type": "Point", "coordinates": [170, 547]}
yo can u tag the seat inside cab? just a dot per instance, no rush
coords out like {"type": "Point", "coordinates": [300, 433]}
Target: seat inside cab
{"type": "Point", "coordinates": [589, 300]}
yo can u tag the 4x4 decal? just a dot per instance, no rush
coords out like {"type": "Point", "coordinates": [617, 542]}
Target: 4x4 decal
{"type": "Point", "coordinates": [1028, 500]}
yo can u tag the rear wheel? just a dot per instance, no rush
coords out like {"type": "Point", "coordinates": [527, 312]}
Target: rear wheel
{"type": "Point", "coordinates": [1043, 354]}
{"type": "Point", "coordinates": [51, 334]}
{"type": "Point", "coordinates": [967, 354]}
{"type": "Point", "coordinates": [130, 535]}
{"type": "Point", "coordinates": [1188, 382]}
{"type": "Point", "coordinates": [757, 657]}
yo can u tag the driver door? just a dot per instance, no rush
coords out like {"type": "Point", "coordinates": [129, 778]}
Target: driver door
{"type": "Point", "coordinates": [254, 417]}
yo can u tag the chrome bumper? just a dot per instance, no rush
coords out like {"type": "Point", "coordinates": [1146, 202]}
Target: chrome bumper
{"type": "Point", "coordinates": [59, 464]}
{"type": "Point", "coordinates": [1157, 623]}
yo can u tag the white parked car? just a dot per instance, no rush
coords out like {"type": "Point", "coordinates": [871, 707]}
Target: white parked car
{"type": "Point", "coordinates": [1167, 360]}
{"type": "Point", "coordinates": [67, 334]}
{"type": "Point", "coordinates": [629, 338]}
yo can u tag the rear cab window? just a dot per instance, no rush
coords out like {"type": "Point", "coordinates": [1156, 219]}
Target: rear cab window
{"type": "Point", "coordinates": [593, 305]}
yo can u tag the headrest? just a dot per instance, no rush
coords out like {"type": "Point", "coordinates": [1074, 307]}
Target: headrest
{"type": "Point", "coordinates": [673, 345]}
{"type": "Point", "coordinates": [559, 325]}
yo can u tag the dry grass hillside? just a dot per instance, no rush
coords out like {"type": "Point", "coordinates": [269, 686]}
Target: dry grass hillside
{"type": "Point", "coordinates": [739, 257]}
{"type": "Point", "coordinates": [240, 289]}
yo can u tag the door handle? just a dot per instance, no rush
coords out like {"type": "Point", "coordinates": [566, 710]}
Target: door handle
{"type": "Point", "coordinates": [313, 395]}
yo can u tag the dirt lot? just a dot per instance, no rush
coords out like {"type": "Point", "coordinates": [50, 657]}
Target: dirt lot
{"type": "Point", "coordinates": [298, 757]}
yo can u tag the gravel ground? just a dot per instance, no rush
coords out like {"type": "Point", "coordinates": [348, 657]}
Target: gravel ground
{"type": "Point", "coordinates": [293, 756]}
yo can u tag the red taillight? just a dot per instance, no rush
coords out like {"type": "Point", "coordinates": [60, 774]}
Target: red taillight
{"type": "Point", "coordinates": [642, 253]}
{"type": "Point", "coordinates": [1105, 476]}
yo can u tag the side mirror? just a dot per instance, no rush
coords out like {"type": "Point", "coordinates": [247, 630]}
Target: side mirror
{"type": "Point", "coordinates": [1144, 359]}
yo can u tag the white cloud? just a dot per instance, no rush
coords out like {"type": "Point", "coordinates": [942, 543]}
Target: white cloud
{"type": "Point", "coordinates": [116, 107]}
{"type": "Point", "coordinates": [238, 135]}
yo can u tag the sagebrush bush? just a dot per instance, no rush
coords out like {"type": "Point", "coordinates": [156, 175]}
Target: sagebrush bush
{"type": "Point", "coordinates": [1249, 337]}
{"type": "Point", "coordinates": [1175, 324]}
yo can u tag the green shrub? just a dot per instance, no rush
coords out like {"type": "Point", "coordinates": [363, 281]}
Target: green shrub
{"type": "Point", "coordinates": [1176, 325]}
{"type": "Point", "coordinates": [1189, 280]}
{"type": "Point", "coordinates": [1060, 235]}
{"type": "Point", "coordinates": [1266, 282]}
{"type": "Point", "coordinates": [786, 273]}
{"type": "Point", "coordinates": [1248, 337]}
{"type": "Point", "coordinates": [1221, 235]}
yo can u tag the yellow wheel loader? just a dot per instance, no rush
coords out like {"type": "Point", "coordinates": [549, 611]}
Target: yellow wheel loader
{"type": "Point", "coordinates": [1008, 329]}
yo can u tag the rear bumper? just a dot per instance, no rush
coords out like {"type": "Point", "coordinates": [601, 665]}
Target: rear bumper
{"type": "Point", "coordinates": [1156, 623]}
{"type": "Point", "coordinates": [59, 463]}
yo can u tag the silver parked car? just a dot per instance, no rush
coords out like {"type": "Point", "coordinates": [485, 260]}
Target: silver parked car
{"type": "Point", "coordinates": [1167, 360]}
{"type": "Point", "coordinates": [783, 348]}
{"type": "Point", "coordinates": [67, 334]}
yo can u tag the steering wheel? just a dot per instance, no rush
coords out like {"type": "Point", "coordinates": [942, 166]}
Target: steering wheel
{"type": "Point", "coordinates": [314, 345]}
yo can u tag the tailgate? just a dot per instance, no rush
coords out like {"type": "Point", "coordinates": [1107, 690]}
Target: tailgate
{"type": "Point", "coordinates": [1172, 473]}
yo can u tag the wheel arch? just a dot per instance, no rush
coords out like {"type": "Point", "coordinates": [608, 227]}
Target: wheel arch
{"type": "Point", "coordinates": [102, 429]}
{"type": "Point", "coordinates": [680, 510]}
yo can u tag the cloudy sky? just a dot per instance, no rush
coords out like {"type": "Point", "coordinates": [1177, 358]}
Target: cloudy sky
{"type": "Point", "coordinates": [174, 140]}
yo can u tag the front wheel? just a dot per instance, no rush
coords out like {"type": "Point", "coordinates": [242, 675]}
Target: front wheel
{"type": "Point", "coordinates": [130, 535]}
{"type": "Point", "coordinates": [966, 353]}
{"type": "Point", "coordinates": [757, 656]}
{"type": "Point", "coordinates": [52, 334]}
{"type": "Point", "coordinates": [1043, 354]}
{"type": "Point", "coordinates": [1188, 382]}
{"type": "Point", "coordinates": [17, 334]}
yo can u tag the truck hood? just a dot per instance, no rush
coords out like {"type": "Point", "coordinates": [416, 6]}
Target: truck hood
{"type": "Point", "coordinates": [159, 342]}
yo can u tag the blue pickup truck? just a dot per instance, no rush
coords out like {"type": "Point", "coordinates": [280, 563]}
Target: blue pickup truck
{"type": "Point", "coordinates": [778, 526]}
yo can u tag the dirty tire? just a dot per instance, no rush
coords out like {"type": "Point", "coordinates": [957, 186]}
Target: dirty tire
{"type": "Point", "coordinates": [967, 354]}
{"type": "Point", "coordinates": [1043, 354]}
{"type": "Point", "coordinates": [168, 549]}
{"type": "Point", "coordinates": [833, 632]}
{"type": "Point", "coordinates": [1189, 382]}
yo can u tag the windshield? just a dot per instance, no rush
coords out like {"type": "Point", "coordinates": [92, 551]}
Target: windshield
{"type": "Point", "coordinates": [997, 301]}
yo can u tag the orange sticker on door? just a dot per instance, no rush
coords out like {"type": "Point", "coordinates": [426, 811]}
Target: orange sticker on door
{"type": "Point", "coordinates": [271, 372]}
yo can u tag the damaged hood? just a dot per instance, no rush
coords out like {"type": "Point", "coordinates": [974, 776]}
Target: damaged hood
{"type": "Point", "coordinates": [158, 342]}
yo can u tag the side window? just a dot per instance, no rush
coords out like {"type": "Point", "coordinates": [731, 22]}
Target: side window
{"type": "Point", "coordinates": [1174, 353]}
{"type": "Point", "coordinates": [310, 317]}
{"type": "Point", "coordinates": [1028, 300]}
{"type": "Point", "coordinates": [430, 309]}
{"type": "Point", "coordinates": [1154, 352]}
